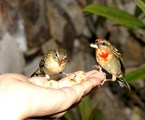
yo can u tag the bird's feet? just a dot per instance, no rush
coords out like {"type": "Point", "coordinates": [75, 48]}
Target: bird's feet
{"type": "Point", "coordinates": [63, 73]}
{"type": "Point", "coordinates": [102, 83]}
{"type": "Point", "coordinates": [47, 76]}
{"type": "Point", "coordinates": [98, 67]}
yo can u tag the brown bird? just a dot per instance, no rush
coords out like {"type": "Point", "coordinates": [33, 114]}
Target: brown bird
{"type": "Point", "coordinates": [52, 62]}
{"type": "Point", "coordinates": [110, 59]}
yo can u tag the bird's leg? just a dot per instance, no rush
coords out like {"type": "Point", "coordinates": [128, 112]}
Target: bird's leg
{"type": "Point", "coordinates": [113, 79]}
{"type": "Point", "coordinates": [102, 83]}
{"type": "Point", "coordinates": [98, 67]}
{"type": "Point", "coordinates": [63, 73]}
{"type": "Point", "coordinates": [105, 79]}
{"type": "Point", "coordinates": [47, 76]}
{"type": "Point", "coordinates": [100, 70]}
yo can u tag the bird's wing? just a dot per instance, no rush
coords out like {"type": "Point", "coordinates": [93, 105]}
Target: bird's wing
{"type": "Point", "coordinates": [42, 61]}
{"type": "Point", "coordinates": [36, 73]}
{"type": "Point", "coordinates": [118, 55]}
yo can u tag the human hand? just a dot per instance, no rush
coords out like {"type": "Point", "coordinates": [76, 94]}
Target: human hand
{"type": "Point", "coordinates": [22, 97]}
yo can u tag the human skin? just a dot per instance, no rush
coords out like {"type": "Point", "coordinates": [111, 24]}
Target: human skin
{"type": "Point", "coordinates": [22, 98]}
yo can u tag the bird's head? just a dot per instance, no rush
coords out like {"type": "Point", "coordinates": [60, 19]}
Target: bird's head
{"type": "Point", "coordinates": [54, 61]}
{"type": "Point", "coordinates": [101, 44]}
{"type": "Point", "coordinates": [60, 56]}
{"type": "Point", "coordinates": [103, 48]}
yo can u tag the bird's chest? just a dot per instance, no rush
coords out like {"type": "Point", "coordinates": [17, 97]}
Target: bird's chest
{"type": "Point", "coordinates": [108, 61]}
{"type": "Point", "coordinates": [102, 55]}
{"type": "Point", "coordinates": [52, 67]}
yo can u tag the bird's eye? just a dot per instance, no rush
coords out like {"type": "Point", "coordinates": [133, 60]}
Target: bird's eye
{"type": "Point", "coordinates": [57, 54]}
{"type": "Point", "coordinates": [104, 44]}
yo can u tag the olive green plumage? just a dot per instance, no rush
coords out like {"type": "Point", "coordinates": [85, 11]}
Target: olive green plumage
{"type": "Point", "coordinates": [51, 63]}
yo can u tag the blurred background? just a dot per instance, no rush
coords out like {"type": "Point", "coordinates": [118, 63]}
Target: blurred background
{"type": "Point", "coordinates": [29, 28]}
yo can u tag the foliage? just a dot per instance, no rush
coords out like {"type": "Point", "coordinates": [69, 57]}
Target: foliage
{"type": "Point", "coordinates": [141, 4]}
{"type": "Point", "coordinates": [119, 16]}
{"type": "Point", "coordinates": [126, 19]}
{"type": "Point", "coordinates": [138, 10]}
{"type": "Point", "coordinates": [85, 108]}
{"type": "Point", "coordinates": [86, 112]}
{"type": "Point", "coordinates": [135, 75]}
{"type": "Point", "coordinates": [123, 18]}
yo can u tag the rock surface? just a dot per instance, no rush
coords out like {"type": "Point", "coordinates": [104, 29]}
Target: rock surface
{"type": "Point", "coordinates": [11, 58]}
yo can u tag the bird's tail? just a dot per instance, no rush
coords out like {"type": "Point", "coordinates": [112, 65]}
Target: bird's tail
{"type": "Point", "coordinates": [123, 83]}
{"type": "Point", "coordinates": [36, 73]}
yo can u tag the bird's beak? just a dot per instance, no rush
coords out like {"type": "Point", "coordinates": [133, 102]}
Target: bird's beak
{"type": "Point", "coordinates": [94, 45]}
{"type": "Point", "coordinates": [59, 61]}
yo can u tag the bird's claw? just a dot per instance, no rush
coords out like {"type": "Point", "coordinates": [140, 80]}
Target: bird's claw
{"type": "Point", "coordinates": [63, 73]}
{"type": "Point", "coordinates": [98, 67]}
{"type": "Point", "coordinates": [102, 82]}
{"type": "Point", "coordinates": [47, 76]}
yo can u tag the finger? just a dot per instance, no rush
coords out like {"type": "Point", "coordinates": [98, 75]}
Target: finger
{"type": "Point", "coordinates": [70, 80]}
{"type": "Point", "coordinates": [58, 115]}
{"type": "Point", "coordinates": [95, 73]}
{"type": "Point", "coordinates": [52, 100]}
{"type": "Point", "coordinates": [71, 75]}
{"type": "Point", "coordinates": [75, 73]}
{"type": "Point", "coordinates": [87, 74]}
{"type": "Point", "coordinates": [13, 76]}
{"type": "Point", "coordinates": [79, 89]}
{"type": "Point", "coordinates": [40, 81]}
{"type": "Point", "coordinates": [85, 87]}
{"type": "Point", "coordinates": [90, 84]}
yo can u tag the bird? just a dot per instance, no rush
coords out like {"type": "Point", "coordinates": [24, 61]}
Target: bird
{"type": "Point", "coordinates": [53, 62]}
{"type": "Point", "coordinates": [109, 58]}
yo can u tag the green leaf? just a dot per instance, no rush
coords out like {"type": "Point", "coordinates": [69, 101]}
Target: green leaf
{"type": "Point", "coordinates": [141, 4]}
{"type": "Point", "coordinates": [99, 115]}
{"type": "Point", "coordinates": [68, 116]}
{"type": "Point", "coordinates": [85, 108]}
{"type": "Point", "coordinates": [138, 10]}
{"type": "Point", "coordinates": [96, 114]}
{"type": "Point", "coordinates": [116, 15]}
{"type": "Point", "coordinates": [135, 75]}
